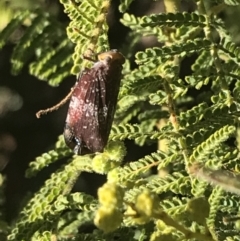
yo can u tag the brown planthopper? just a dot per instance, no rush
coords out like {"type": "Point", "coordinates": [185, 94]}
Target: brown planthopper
{"type": "Point", "coordinates": [92, 106]}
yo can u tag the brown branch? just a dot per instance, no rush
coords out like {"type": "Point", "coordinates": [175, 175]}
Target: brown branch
{"type": "Point", "coordinates": [57, 106]}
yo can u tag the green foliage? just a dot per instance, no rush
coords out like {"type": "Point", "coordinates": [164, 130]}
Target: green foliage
{"type": "Point", "coordinates": [192, 116]}
{"type": "Point", "coordinates": [41, 34]}
{"type": "Point", "coordinates": [44, 45]}
{"type": "Point", "coordinates": [125, 5]}
{"type": "Point", "coordinates": [46, 159]}
{"type": "Point", "coordinates": [174, 20]}
{"type": "Point", "coordinates": [4, 227]}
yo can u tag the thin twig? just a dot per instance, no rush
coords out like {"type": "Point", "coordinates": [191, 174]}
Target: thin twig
{"type": "Point", "coordinates": [55, 107]}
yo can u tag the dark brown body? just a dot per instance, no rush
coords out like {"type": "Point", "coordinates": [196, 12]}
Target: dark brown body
{"type": "Point", "coordinates": [93, 102]}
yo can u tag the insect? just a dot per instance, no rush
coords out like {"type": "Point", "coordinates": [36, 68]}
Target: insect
{"type": "Point", "coordinates": [93, 102]}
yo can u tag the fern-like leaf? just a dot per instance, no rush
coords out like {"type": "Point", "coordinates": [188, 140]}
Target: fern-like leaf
{"type": "Point", "coordinates": [174, 20]}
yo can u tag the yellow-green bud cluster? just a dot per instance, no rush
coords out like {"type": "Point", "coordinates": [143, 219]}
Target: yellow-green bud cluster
{"type": "Point", "coordinates": [198, 210]}
{"type": "Point", "coordinates": [109, 216]}
{"type": "Point", "coordinates": [162, 236]}
{"type": "Point", "coordinates": [116, 150]}
{"type": "Point", "coordinates": [145, 207]}
{"type": "Point", "coordinates": [110, 159]}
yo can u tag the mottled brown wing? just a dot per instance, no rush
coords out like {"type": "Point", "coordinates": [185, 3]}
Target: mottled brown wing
{"type": "Point", "coordinates": [113, 80]}
{"type": "Point", "coordinates": [85, 129]}
{"type": "Point", "coordinates": [95, 112]}
{"type": "Point", "coordinates": [93, 103]}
